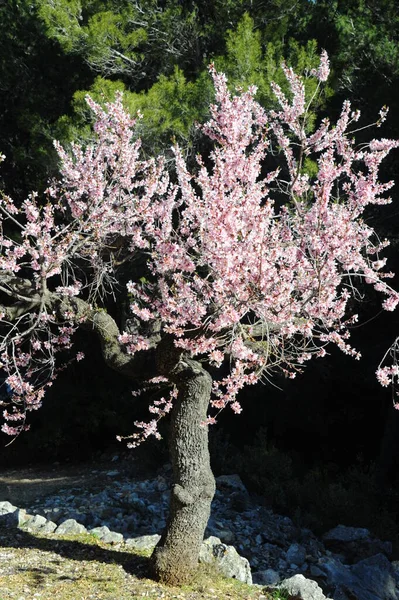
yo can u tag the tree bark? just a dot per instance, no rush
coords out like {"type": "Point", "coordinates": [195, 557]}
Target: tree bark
{"type": "Point", "coordinates": [176, 556]}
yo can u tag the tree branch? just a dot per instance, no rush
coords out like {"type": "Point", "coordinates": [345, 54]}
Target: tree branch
{"type": "Point", "coordinates": [138, 366]}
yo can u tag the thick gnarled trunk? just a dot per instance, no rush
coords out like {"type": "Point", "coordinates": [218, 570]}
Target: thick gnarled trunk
{"type": "Point", "coordinates": [176, 557]}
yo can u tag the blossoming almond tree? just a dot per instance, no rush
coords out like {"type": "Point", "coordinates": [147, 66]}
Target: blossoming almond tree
{"type": "Point", "coordinates": [232, 265]}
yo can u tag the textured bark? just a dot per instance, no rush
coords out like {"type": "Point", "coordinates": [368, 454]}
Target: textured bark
{"type": "Point", "coordinates": [28, 300]}
{"type": "Point", "coordinates": [176, 557]}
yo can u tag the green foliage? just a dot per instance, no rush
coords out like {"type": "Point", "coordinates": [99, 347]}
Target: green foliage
{"type": "Point", "coordinates": [135, 41]}
{"type": "Point", "coordinates": [170, 108]}
{"type": "Point", "coordinates": [243, 61]}
{"type": "Point", "coordinates": [77, 126]}
{"type": "Point", "coordinates": [62, 19]}
{"type": "Point", "coordinates": [252, 59]}
{"type": "Point", "coordinates": [37, 82]}
{"type": "Point", "coordinates": [368, 37]}
{"type": "Point", "coordinates": [280, 594]}
{"type": "Point", "coordinates": [173, 104]}
{"type": "Point", "coordinates": [55, 51]}
{"type": "Point", "coordinates": [362, 38]}
{"type": "Point", "coordinates": [106, 34]}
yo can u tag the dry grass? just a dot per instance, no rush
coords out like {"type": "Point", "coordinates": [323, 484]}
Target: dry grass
{"type": "Point", "coordinates": [82, 567]}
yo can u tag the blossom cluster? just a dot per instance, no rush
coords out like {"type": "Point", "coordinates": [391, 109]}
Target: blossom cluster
{"type": "Point", "coordinates": [388, 375]}
{"type": "Point", "coordinates": [239, 263]}
{"type": "Point", "coordinates": [65, 246]}
{"type": "Point", "coordinates": [246, 266]}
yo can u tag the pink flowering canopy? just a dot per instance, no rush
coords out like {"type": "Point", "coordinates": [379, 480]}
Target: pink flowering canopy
{"type": "Point", "coordinates": [250, 267]}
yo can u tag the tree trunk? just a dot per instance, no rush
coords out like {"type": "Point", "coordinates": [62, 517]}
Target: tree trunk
{"type": "Point", "coordinates": [176, 556]}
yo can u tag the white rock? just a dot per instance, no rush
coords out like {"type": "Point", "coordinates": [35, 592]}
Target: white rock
{"type": "Point", "coordinates": [300, 587]}
{"type": "Point", "coordinates": [100, 532]}
{"type": "Point", "coordinates": [227, 559]}
{"type": "Point", "coordinates": [6, 507]}
{"type": "Point", "coordinates": [70, 526]}
{"type": "Point", "coordinates": [144, 542]}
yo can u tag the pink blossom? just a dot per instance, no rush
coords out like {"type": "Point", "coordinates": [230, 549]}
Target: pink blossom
{"type": "Point", "coordinates": [323, 71]}
{"type": "Point", "coordinates": [232, 276]}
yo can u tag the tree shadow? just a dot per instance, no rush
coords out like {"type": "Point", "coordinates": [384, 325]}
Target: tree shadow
{"type": "Point", "coordinates": [132, 564]}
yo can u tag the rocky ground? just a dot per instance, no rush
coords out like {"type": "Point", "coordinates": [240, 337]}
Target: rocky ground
{"type": "Point", "coordinates": [245, 539]}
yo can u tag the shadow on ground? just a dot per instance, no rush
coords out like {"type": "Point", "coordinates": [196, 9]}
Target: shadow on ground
{"type": "Point", "coordinates": [139, 566]}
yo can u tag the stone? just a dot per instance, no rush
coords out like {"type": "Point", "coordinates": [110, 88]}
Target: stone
{"type": "Point", "coordinates": [296, 554]}
{"type": "Point", "coordinates": [49, 527]}
{"type": "Point", "coordinates": [35, 523]}
{"type": "Point", "coordinates": [354, 543]}
{"type": "Point", "coordinates": [271, 542]}
{"type": "Point", "coordinates": [227, 559]}
{"type": "Point", "coordinates": [55, 514]}
{"type": "Point", "coordinates": [38, 524]}
{"type": "Point", "coordinates": [6, 507]}
{"type": "Point", "coordinates": [300, 587]}
{"type": "Point", "coordinates": [377, 576]}
{"type": "Point", "coordinates": [232, 487]}
{"type": "Point", "coordinates": [15, 518]}
{"type": "Point", "coordinates": [239, 502]}
{"type": "Point", "coordinates": [316, 571]}
{"type": "Point", "coordinates": [278, 531]}
{"type": "Point", "coordinates": [370, 579]}
{"type": "Point", "coordinates": [99, 532]}
{"type": "Point", "coordinates": [395, 569]}
{"type": "Point", "coordinates": [268, 577]}
{"type": "Point", "coordinates": [144, 542]}
{"type": "Point", "coordinates": [225, 535]}
{"type": "Point", "coordinates": [113, 538]}
{"type": "Point", "coordinates": [70, 526]}
{"type": "Point", "coordinates": [345, 534]}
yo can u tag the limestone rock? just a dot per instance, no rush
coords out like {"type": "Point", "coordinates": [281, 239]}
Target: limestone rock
{"type": "Point", "coordinates": [38, 524]}
{"type": "Point", "coordinates": [144, 542]}
{"type": "Point", "coordinates": [48, 527]}
{"type": "Point", "coordinates": [113, 538]}
{"type": "Point", "coordinates": [300, 587]}
{"type": "Point", "coordinates": [107, 536]}
{"type": "Point", "coordinates": [355, 543]}
{"type": "Point", "coordinates": [296, 555]}
{"type": "Point", "coordinates": [228, 561]}
{"type": "Point", "coordinates": [225, 535]}
{"type": "Point", "coordinates": [15, 518]}
{"type": "Point", "coordinates": [6, 508]}
{"type": "Point", "coordinates": [370, 579]}
{"type": "Point", "coordinates": [345, 534]}
{"type": "Point", "coordinates": [70, 526]}
{"type": "Point", "coordinates": [100, 532]}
